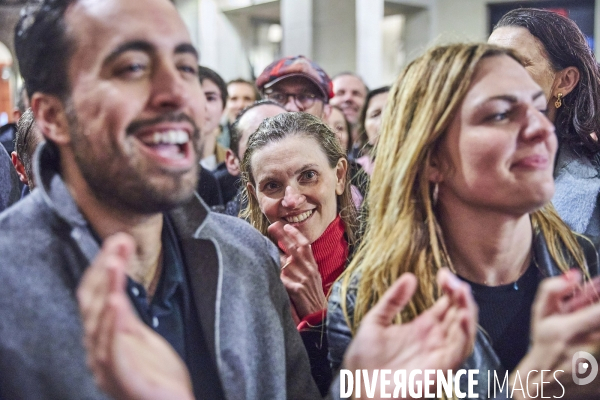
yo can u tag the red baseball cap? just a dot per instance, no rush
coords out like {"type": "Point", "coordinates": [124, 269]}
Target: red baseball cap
{"type": "Point", "coordinates": [288, 67]}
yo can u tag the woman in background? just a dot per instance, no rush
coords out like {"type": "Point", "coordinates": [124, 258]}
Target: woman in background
{"type": "Point", "coordinates": [370, 125]}
{"type": "Point", "coordinates": [560, 60]}
{"type": "Point", "coordinates": [341, 127]}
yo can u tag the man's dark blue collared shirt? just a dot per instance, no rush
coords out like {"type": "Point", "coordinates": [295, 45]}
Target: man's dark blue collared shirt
{"type": "Point", "coordinates": [172, 314]}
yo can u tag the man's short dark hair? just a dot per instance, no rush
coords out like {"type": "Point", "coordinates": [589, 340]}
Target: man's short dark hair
{"type": "Point", "coordinates": [207, 73]}
{"type": "Point", "coordinates": [26, 141]}
{"type": "Point", "coordinates": [249, 83]}
{"type": "Point", "coordinates": [234, 129]}
{"type": "Point", "coordinates": [43, 47]}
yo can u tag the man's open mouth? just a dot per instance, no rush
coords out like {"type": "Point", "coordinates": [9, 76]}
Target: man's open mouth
{"type": "Point", "coordinates": [168, 145]}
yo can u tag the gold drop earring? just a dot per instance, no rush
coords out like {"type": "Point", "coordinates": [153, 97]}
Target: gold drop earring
{"type": "Point", "coordinates": [558, 102]}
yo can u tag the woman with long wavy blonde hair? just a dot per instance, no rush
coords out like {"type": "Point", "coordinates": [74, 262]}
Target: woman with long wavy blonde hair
{"type": "Point", "coordinates": [463, 180]}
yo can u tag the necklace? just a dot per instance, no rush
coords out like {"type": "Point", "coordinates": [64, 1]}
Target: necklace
{"type": "Point", "coordinates": [516, 285]}
{"type": "Point", "coordinates": [520, 273]}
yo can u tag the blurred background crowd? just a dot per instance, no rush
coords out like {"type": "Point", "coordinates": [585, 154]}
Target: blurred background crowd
{"type": "Point", "coordinates": [373, 38]}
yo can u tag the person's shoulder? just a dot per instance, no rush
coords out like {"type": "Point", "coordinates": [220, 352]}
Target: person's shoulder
{"type": "Point", "coordinates": [223, 176]}
{"type": "Point", "coordinates": [228, 223]}
{"type": "Point", "coordinates": [591, 251]}
{"type": "Point", "coordinates": [7, 136]}
{"type": "Point", "coordinates": [344, 291]}
{"type": "Point", "coordinates": [233, 231]}
{"type": "Point", "coordinates": [243, 249]}
{"type": "Point", "coordinates": [28, 213]}
{"type": "Point", "coordinates": [221, 170]}
{"type": "Point", "coordinates": [346, 285]}
{"type": "Point", "coordinates": [340, 312]}
{"type": "Point", "coordinates": [36, 253]}
{"type": "Point", "coordinates": [26, 226]}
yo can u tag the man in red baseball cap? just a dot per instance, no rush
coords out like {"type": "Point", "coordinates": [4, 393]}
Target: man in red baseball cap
{"type": "Point", "coordinates": [298, 84]}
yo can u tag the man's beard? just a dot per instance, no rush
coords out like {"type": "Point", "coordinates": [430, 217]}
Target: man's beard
{"type": "Point", "coordinates": [119, 180]}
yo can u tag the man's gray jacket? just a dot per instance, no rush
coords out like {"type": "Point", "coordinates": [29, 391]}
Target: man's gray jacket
{"type": "Point", "coordinates": [45, 246]}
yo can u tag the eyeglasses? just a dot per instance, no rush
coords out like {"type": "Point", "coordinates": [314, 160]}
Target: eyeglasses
{"type": "Point", "coordinates": [302, 100]}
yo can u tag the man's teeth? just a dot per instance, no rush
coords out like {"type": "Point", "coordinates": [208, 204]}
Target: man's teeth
{"type": "Point", "coordinates": [300, 217]}
{"type": "Point", "coordinates": [170, 137]}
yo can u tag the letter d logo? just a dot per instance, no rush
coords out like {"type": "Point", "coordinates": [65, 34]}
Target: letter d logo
{"type": "Point", "coordinates": [579, 370]}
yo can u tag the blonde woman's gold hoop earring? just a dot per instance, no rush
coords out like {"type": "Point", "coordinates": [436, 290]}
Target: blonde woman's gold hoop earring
{"type": "Point", "coordinates": [436, 190]}
{"type": "Point", "coordinates": [558, 102]}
